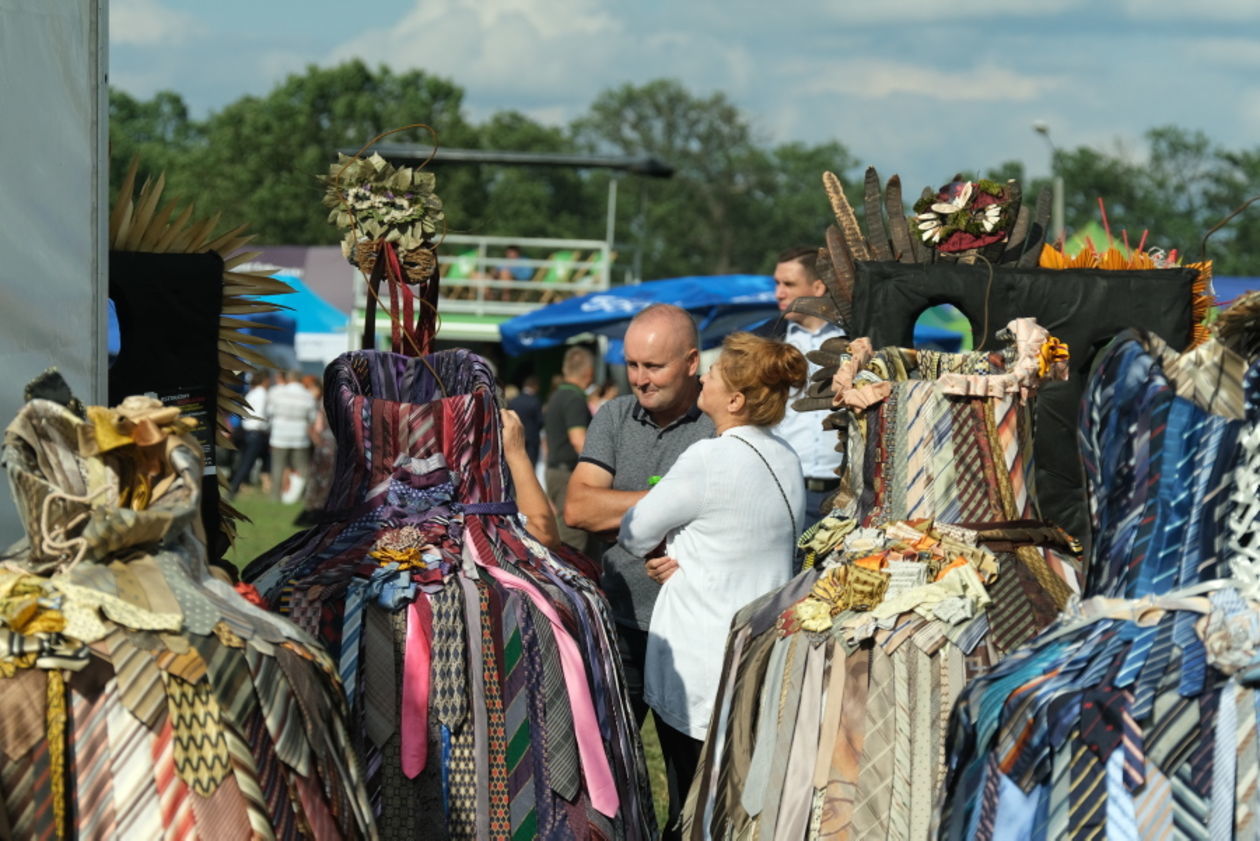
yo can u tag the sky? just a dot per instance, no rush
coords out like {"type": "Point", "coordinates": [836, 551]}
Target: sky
{"type": "Point", "coordinates": [910, 86]}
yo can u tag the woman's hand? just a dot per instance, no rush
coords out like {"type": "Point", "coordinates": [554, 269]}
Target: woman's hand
{"type": "Point", "coordinates": [659, 569]}
{"type": "Point", "coordinates": [513, 433]}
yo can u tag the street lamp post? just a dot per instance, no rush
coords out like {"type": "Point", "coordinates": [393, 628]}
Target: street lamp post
{"type": "Point", "coordinates": [1056, 206]}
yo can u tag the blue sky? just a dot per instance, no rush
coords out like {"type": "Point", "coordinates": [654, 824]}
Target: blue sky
{"type": "Point", "coordinates": [910, 86]}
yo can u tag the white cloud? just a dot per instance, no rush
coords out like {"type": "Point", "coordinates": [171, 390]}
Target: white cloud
{"type": "Point", "coordinates": [876, 79]}
{"type": "Point", "coordinates": [506, 45]}
{"type": "Point", "coordinates": [147, 23]}
{"type": "Point", "coordinates": [1217, 10]}
{"type": "Point", "coordinates": [1243, 53]}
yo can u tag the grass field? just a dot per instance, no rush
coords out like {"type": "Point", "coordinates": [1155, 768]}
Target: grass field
{"type": "Point", "coordinates": [273, 522]}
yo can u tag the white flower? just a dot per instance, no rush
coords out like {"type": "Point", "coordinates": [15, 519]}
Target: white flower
{"type": "Point", "coordinates": [958, 203]}
{"type": "Point", "coordinates": [992, 214]}
{"type": "Point", "coordinates": [930, 225]}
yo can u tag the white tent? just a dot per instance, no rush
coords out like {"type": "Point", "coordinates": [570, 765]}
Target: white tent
{"type": "Point", "coordinates": [54, 216]}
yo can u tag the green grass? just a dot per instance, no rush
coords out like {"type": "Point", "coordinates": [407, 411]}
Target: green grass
{"type": "Point", "coordinates": [656, 770]}
{"type": "Point", "coordinates": [273, 522]}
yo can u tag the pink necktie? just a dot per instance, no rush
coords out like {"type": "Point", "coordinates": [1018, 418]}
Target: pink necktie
{"type": "Point", "coordinates": [415, 693]}
{"type": "Point", "coordinates": [595, 770]}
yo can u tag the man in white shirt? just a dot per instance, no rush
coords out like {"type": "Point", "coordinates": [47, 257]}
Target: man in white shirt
{"type": "Point", "coordinates": [255, 430]}
{"type": "Point", "coordinates": [291, 410]}
{"type": "Point", "coordinates": [795, 277]}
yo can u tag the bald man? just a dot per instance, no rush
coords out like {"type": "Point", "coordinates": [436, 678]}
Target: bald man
{"type": "Point", "coordinates": [632, 439]}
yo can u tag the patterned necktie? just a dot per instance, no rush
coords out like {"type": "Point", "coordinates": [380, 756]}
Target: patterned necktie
{"type": "Point", "coordinates": [1248, 762]}
{"type": "Point", "coordinates": [496, 728]}
{"type": "Point", "coordinates": [520, 744]}
{"type": "Point", "coordinates": [90, 763]}
{"type": "Point", "coordinates": [874, 796]}
{"type": "Point", "coordinates": [563, 770]}
{"type": "Point", "coordinates": [380, 689]}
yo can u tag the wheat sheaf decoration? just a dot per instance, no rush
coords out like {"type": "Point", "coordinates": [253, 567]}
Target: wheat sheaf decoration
{"type": "Point", "coordinates": [141, 221]}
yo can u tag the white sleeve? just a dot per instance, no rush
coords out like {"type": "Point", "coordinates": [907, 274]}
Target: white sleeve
{"type": "Point", "coordinates": [675, 501]}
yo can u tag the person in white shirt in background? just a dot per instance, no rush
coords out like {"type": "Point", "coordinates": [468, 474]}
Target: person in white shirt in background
{"type": "Point", "coordinates": [727, 514]}
{"type": "Point", "coordinates": [291, 410]}
{"type": "Point", "coordinates": [255, 431]}
{"type": "Point", "coordinates": [795, 277]}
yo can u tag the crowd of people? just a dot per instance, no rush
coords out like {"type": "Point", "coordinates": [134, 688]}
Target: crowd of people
{"type": "Point", "coordinates": [691, 490]}
{"type": "Point", "coordinates": [656, 484]}
{"type": "Point", "coordinates": [284, 442]}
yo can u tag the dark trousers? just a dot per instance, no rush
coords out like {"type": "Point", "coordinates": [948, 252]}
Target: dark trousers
{"type": "Point", "coordinates": [813, 506]}
{"type": "Point", "coordinates": [682, 756]}
{"type": "Point", "coordinates": [254, 448]}
{"type": "Point", "coordinates": [680, 751]}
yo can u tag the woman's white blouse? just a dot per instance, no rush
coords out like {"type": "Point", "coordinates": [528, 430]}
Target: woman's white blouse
{"type": "Point", "coordinates": [726, 524]}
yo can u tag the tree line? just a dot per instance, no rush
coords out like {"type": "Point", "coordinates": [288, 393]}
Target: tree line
{"type": "Point", "coordinates": [734, 202]}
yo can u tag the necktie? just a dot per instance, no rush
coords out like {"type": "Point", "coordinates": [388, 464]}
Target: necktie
{"type": "Point", "coordinates": [500, 819]}
{"type": "Point", "coordinates": [380, 688]}
{"type": "Point", "coordinates": [600, 786]}
{"type": "Point", "coordinates": [1154, 807]}
{"type": "Point", "coordinates": [846, 763]}
{"type": "Point", "coordinates": [789, 704]}
{"type": "Point", "coordinates": [563, 769]}
{"type": "Point", "coordinates": [1221, 791]}
{"type": "Point", "coordinates": [136, 807]}
{"type": "Point", "coordinates": [520, 744]}
{"type": "Point", "coordinates": [90, 763]}
{"type": "Point", "coordinates": [415, 690]}
{"type": "Point", "coordinates": [176, 797]}
{"type": "Point", "coordinates": [901, 794]}
{"type": "Point", "coordinates": [798, 787]}
{"type": "Point", "coordinates": [1121, 818]}
{"type": "Point", "coordinates": [352, 639]}
{"type": "Point", "coordinates": [1247, 764]}
{"type": "Point", "coordinates": [753, 792]}
{"type": "Point", "coordinates": [874, 793]}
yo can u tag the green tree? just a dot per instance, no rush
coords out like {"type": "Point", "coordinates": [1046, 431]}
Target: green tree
{"type": "Point", "coordinates": [706, 140]}
{"type": "Point", "coordinates": [261, 155]}
{"type": "Point", "coordinates": [732, 203]}
{"type": "Point", "coordinates": [157, 131]}
{"type": "Point", "coordinates": [540, 201]}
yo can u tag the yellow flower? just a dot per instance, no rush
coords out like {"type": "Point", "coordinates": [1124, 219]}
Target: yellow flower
{"type": "Point", "coordinates": [813, 615]}
{"type": "Point", "coordinates": [1052, 351]}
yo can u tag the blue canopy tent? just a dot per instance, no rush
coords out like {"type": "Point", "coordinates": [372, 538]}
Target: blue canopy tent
{"type": "Point", "coordinates": [304, 312]}
{"type": "Point", "coordinates": [721, 304]}
{"type": "Point", "coordinates": [1229, 288]}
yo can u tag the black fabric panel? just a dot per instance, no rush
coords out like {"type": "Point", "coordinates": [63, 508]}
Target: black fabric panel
{"type": "Point", "coordinates": [168, 317]}
{"type": "Point", "coordinates": [1084, 307]}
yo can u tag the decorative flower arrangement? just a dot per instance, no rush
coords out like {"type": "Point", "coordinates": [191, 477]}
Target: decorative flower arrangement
{"type": "Point", "coordinates": [1053, 353]}
{"type": "Point", "coordinates": [372, 200]}
{"type": "Point", "coordinates": [965, 215]}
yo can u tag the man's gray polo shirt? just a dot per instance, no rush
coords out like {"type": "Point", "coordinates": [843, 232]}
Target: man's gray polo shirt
{"type": "Point", "coordinates": [624, 440]}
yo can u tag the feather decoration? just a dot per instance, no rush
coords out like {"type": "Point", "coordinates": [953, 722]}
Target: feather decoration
{"type": "Point", "coordinates": [873, 208]}
{"type": "Point", "coordinates": [898, 227]}
{"type": "Point", "coordinates": [842, 273]}
{"type": "Point", "coordinates": [845, 217]}
{"type": "Point", "coordinates": [1037, 232]}
{"type": "Point", "coordinates": [141, 222]}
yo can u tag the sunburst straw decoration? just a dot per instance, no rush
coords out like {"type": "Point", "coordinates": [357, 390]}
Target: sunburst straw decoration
{"type": "Point", "coordinates": [142, 222]}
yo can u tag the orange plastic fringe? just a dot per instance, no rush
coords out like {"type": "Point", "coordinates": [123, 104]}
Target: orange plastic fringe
{"type": "Point", "coordinates": [1113, 259]}
{"type": "Point", "coordinates": [1200, 302]}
